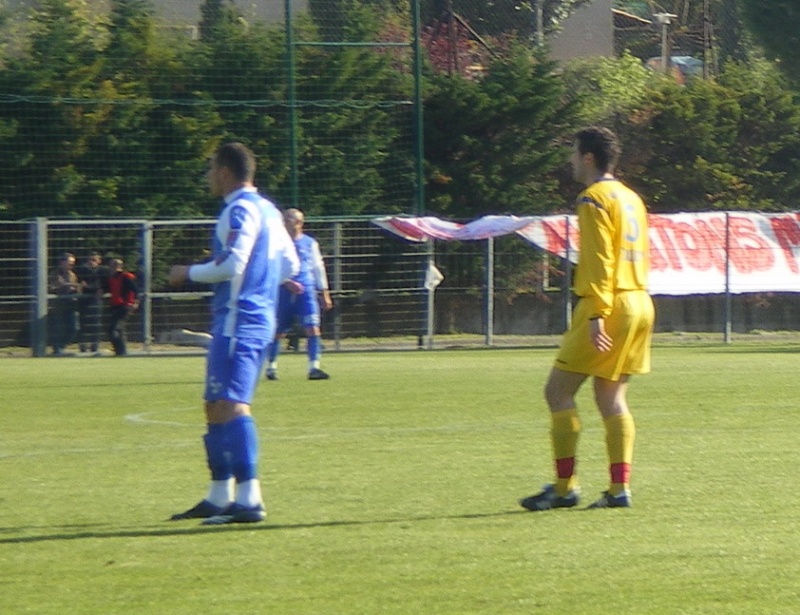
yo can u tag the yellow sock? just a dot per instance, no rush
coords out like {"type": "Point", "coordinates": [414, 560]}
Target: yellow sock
{"type": "Point", "coordinates": [620, 434]}
{"type": "Point", "coordinates": [564, 431]}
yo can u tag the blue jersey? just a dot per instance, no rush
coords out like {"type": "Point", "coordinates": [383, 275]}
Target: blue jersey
{"type": "Point", "coordinates": [312, 269]}
{"type": "Point", "coordinates": [312, 276]}
{"type": "Point", "coordinates": [252, 255]}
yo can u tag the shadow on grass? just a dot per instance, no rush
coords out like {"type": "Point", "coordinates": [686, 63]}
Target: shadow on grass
{"type": "Point", "coordinates": [176, 529]}
{"type": "Point", "coordinates": [100, 385]}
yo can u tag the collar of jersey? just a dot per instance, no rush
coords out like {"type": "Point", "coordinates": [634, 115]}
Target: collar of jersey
{"type": "Point", "coordinates": [232, 196]}
{"type": "Point", "coordinates": [603, 178]}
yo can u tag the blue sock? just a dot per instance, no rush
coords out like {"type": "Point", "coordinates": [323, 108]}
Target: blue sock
{"type": "Point", "coordinates": [272, 351]}
{"type": "Point", "coordinates": [216, 452]}
{"type": "Point", "coordinates": [243, 446]}
{"type": "Point", "coordinates": [314, 348]}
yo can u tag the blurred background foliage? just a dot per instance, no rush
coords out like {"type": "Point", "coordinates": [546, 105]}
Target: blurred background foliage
{"type": "Point", "coordinates": [106, 113]}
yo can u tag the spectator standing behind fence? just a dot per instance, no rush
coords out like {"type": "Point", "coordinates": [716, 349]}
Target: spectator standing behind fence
{"type": "Point", "coordinates": [306, 306]}
{"type": "Point", "coordinates": [252, 255]}
{"type": "Point", "coordinates": [92, 275]}
{"type": "Point", "coordinates": [609, 338]}
{"type": "Point", "coordinates": [121, 285]}
{"type": "Point", "coordinates": [64, 283]}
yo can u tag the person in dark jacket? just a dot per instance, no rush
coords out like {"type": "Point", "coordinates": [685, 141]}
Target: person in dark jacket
{"type": "Point", "coordinates": [91, 273]}
{"type": "Point", "coordinates": [121, 285]}
{"type": "Point", "coordinates": [65, 285]}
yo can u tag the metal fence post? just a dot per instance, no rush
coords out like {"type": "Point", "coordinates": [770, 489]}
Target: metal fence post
{"type": "Point", "coordinates": [489, 294]}
{"type": "Point", "coordinates": [728, 308]}
{"type": "Point", "coordinates": [145, 303]}
{"type": "Point", "coordinates": [430, 312]}
{"type": "Point", "coordinates": [337, 284]}
{"type": "Point", "coordinates": [40, 260]}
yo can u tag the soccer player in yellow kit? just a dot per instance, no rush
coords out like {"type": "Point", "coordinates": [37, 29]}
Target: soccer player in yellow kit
{"type": "Point", "coordinates": [612, 324]}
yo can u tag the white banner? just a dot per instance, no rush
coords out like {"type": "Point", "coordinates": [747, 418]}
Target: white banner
{"type": "Point", "coordinates": [687, 251]}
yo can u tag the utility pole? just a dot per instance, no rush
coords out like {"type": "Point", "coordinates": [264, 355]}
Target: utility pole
{"type": "Point", "coordinates": [709, 51]}
{"type": "Point", "coordinates": [664, 20]}
{"type": "Point", "coordinates": [453, 64]}
{"type": "Point", "coordinates": [538, 23]}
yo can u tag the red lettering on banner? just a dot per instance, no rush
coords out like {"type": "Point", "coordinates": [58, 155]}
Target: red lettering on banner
{"type": "Point", "coordinates": [718, 224]}
{"type": "Point", "coordinates": [657, 260]}
{"type": "Point", "coordinates": [555, 232]}
{"type": "Point", "coordinates": [694, 245]}
{"type": "Point", "coordinates": [749, 251]}
{"type": "Point", "coordinates": [699, 243]}
{"type": "Point", "coordinates": [669, 257]}
{"type": "Point", "coordinates": [714, 231]}
{"type": "Point", "coordinates": [787, 233]}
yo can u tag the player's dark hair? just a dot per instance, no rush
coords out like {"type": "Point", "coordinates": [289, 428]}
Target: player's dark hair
{"type": "Point", "coordinates": [239, 159]}
{"type": "Point", "coordinates": [602, 143]}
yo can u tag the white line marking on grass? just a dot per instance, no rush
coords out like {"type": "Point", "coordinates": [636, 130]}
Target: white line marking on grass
{"type": "Point", "coordinates": [301, 433]}
{"type": "Point", "coordinates": [89, 451]}
{"type": "Point", "coordinates": [285, 433]}
{"type": "Point", "coordinates": [142, 417]}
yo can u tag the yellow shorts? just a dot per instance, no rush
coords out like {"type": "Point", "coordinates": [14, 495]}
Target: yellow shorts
{"type": "Point", "coordinates": [630, 327]}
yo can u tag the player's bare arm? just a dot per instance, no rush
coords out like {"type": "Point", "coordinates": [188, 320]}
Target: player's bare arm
{"type": "Point", "coordinates": [178, 274]}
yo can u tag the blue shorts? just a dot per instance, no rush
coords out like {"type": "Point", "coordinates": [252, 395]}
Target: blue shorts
{"type": "Point", "coordinates": [304, 308]}
{"type": "Point", "coordinates": [232, 368]}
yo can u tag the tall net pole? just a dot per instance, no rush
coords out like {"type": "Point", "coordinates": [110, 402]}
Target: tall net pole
{"type": "Point", "coordinates": [418, 117]}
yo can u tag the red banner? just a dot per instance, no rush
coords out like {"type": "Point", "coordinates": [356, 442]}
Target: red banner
{"type": "Point", "coordinates": [714, 252]}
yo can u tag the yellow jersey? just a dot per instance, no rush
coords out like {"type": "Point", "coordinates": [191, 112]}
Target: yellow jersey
{"type": "Point", "coordinates": [614, 245]}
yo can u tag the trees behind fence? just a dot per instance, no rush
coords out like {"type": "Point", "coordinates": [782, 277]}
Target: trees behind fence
{"type": "Point", "coordinates": [110, 115]}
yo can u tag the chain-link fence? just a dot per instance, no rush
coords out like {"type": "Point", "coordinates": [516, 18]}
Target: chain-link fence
{"type": "Point", "coordinates": [98, 119]}
{"type": "Point", "coordinates": [376, 284]}
{"type": "Point", "coordinates": [497, 291]}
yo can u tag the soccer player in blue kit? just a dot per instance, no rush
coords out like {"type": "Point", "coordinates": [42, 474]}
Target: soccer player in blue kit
{"type": "Point", "coordinates": [305, 306]}
{"type": "Point", "coordinates": [253, 256]}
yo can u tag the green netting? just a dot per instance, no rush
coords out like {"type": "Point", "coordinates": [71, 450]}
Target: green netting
{"type": "Point", "coordinates": [112, 113]}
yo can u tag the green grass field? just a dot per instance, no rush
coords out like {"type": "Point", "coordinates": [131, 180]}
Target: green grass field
{"type": "Point", "coordinates": [393, 488]}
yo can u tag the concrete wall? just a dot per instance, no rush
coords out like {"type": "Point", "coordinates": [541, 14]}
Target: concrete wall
{"type": "Point", "coordinates": [530, 315]}
{"type": "Point", "coordinates": [187, 12]}
{"type": "Point", "coordinates": [589, 31]}
{"type": "Point", "coordinates": [462, 313]}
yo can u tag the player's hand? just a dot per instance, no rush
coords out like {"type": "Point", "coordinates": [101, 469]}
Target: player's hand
{"type": "Point", "coordinates": [178, 274]}
{"type": "Point", "coordinates": [325, 300]}
{"type": "Point", "coordinates": [600, 339]}
{"type": "Point", "coordinates": [294, 287]}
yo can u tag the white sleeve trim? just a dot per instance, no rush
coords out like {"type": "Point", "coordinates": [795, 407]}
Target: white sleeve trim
{"type": "Point", "coordinates": [237, 247]}
{"type": "Point", "coordinates": [318, 267]}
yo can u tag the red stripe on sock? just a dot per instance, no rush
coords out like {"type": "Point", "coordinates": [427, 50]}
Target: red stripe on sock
{"type": "Point", "coordinates": [565, 467]}
{"type": "Point", "coordinates": [620, 473]}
